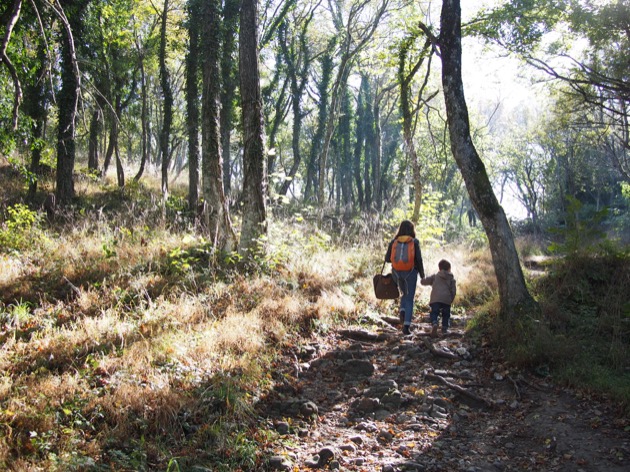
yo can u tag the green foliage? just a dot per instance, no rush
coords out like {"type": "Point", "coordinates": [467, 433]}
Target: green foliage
{"type": "Point", "coordinates": [194, 258]}
{"type": "Point", "coordinates": [28, 176]}
{"type": "Point", "coordinates": [16, 315]}
{"type": "Point", "coordinates": [582, 229]}
{"type": "Point", "coordinates": [429, 228]}
{"type": "Point", "coordinates": [19, 229]}
{"type": "Point", "coordinates": [518, 24]}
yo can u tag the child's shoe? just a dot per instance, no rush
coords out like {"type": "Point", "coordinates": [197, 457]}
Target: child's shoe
{"type": "Point", "coordinates": [434, 331]}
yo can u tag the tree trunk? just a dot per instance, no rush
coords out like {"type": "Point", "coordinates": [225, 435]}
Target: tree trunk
{"type": "Point", "coordinates": [111, 143]}
{"type": "Point", "coordinates": [513, 293]}
{"type": "Point", "coordinates": [298, 75]}
{"type": "Point", "coordinates": [322, 118]}
{"type": "Point", "coordinates": [36, 108]}
{"type": "Point", "coordinates": [360, 138]}
{"type": "Point", "coordinates": [369, 149]}
{"type": "Point", "coordinates": [144, 121]}
{"type": "Point", "coordinates": [192, 104]}
{"type": "Point", "coordinates": [167, 111]}
{"type": "Point", "coordinates": [216, 213]}
{"type": "Point", "coordinates": [11, 20]}
{"type": "Point", "coordinates": [228, 90]}
{"type": "Point", "coordinates": [345, 161]}
{"type": "Point", "coordinates": [378, 155]}
{"type": "Point", "coordinates": [404, 81]}
{"type": "Point", "coordinates": [67, 100]}
{"type": "Point", "coordinates": [95, 131]}
{"type": "Point", "coordinates": [254, 163]}
{"type": "Point", "coordinates": [120, 171]}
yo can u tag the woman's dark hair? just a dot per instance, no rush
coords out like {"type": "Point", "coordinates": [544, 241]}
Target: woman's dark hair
{"type": "Point", "coordinates": [444, 265]}
{"type": "Point", "coordinates": [406, 228]}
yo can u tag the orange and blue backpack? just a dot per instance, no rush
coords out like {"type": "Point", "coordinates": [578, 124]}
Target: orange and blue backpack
{"type": "Point", "coordinates": [403, 253]}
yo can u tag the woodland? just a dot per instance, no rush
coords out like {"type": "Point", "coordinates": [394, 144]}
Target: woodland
{"type": "Point", "coordinates": [195, 196]}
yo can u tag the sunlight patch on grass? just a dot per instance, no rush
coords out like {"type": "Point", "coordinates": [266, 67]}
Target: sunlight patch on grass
{"type": "Point", "coordinates": [334, 301]}
{"type": "Point", "coordinates": [10, 268]}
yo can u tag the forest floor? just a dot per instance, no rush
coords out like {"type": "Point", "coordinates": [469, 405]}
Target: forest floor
{"type": "Point", "coordinates": [375, 400]}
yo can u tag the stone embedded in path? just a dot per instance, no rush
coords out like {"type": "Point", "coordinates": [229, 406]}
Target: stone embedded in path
{"type": "Point", "coordinates": [308, 409]}
{"type": "Point", "coordinates": [357, 368]}
{"type": "Point", "coordinates": [282, 427]}
{"type": "Point", "coordinates": [366, 405]}
{"type": "Point", "coordinates": [279, 463]}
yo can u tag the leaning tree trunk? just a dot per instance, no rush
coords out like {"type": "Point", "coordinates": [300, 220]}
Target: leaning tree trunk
{"type": "Point", "coordinates": [216, 214]}
{"type": "Point", "coordinates": [513, 293]}
{"type": "Point", "coordinates": [254, 164]}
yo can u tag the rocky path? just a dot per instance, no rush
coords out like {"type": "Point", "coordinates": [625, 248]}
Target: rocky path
{"type": "Point", "coordinates": [363, 400]}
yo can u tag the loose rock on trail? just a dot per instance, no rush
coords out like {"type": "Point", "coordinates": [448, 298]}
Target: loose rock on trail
{"type": "Point", "coordinates": [362, 400]}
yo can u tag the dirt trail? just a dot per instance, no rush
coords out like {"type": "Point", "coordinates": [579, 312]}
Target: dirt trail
{"type": "Point", "coordinates": [377, 401]}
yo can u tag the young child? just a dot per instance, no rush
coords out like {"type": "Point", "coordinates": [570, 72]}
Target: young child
{"type": "Point", "coordinates": [443, 290]}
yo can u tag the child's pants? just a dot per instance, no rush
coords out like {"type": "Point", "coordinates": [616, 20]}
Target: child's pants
{"type": "Point", "coordinates": [436, 308]}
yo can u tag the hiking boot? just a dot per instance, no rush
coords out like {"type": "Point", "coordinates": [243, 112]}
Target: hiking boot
{"type": "Point", "coordinates": [406, 330]}
{"type": "Point", "coordinates": [434, 332]}
{"type": "Point", "coordinates": [444, 330]}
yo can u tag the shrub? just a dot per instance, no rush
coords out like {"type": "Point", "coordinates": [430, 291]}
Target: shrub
{"type": "Point", "coordinates": [19, 228]}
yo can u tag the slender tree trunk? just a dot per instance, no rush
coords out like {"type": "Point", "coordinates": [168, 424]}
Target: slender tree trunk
{"type": "Point", "coordinates": [342, 74]}
{"type": "Point", "coordinates": [378, 156]}
{"type": "Point", "coordinates": [404, 81]}
{"type": "Point", "coordinates": [229, 83]}
{"type": "Point", "coordinates": [369, 147]}
{"type": "Point", "coordinates": [120, 171]}
{"type": "Point", "coordinates": [36, 101]}
{"type": "Point", "coordinates": [167, 111]}
{"type": "Point", "coordinates": [513, 293]}
{"type": "Point", "coordinates": [95, 131]}
{"type": "Point", "coordinates": [11, 20]}
{"type": "Point", "coordinates": [298, 77]}
{"type": "Point", "coordinates": [360, 139]}
{"type": "Point", "coordinates": [254, 162]}
{"type": "Point", "coordinates": [345, 168]}
{"type": "Point", "coordinates": [144, 122]}
{"type": "Point", "coordinates": [192, 104]}
{"type": "Point", "coordinates": [216, 213]}
{"type": "Point", "coordinates": [111, 143]}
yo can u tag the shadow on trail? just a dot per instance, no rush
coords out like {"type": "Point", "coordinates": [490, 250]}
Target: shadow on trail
{"type": "Point", "coordinates": [377, 401]}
